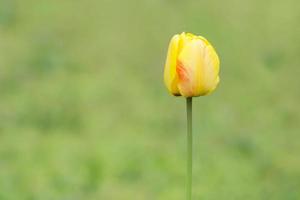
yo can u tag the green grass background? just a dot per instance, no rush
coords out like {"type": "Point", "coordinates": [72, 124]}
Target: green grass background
{"type": "Point", "coordinates": [84, 113]}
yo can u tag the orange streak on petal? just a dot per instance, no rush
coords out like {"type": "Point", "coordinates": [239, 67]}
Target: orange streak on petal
{"type": "Point", "coordinates": [184, 80]}
{"type": "Point", "coordinates": [182, 72]}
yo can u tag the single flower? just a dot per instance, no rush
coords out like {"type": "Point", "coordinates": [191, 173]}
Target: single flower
{"type": "Point", "coordinates": [192, 66]}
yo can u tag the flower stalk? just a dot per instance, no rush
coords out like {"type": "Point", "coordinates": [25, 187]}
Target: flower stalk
{"type": "Point", "coordinates": [189, 106]}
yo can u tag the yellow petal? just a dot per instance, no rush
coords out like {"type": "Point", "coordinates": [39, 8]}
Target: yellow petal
{"type": "Point", "coordinates": [190, 67]}
{"type": "Point", "coordinates": [198, 68]}
{"type": "Point", "coordinates": [170, 75]}
{"type": "Point", "coordinates": [210, 70]}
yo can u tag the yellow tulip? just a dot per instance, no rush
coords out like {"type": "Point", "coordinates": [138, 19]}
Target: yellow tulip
{"type": "Point", "coordinates": [192, 66]}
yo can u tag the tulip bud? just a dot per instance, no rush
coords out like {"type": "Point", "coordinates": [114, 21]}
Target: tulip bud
{"type": "Point", "coordinates": [192, 66]}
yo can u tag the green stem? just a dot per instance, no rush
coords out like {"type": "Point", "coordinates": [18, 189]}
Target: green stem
{"type": "Point", "coordinates": [189, 106]}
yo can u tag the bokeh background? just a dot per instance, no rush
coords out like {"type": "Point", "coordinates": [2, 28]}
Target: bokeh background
{"type": "Point", "coordinates": [84, 113]}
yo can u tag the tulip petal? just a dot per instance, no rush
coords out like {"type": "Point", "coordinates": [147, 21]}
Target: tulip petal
{"type": "Point", "coordinates": [170, 75]}
{"type": "Point", "coordinates": [190, 67]}
{"type": "Point", "coordinates": [197, 68]}
{"type": "Point", "coordinates": [210, 70]}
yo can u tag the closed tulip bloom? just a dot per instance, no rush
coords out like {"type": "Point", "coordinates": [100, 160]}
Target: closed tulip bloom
{"type": "Point", "coordinates": [192, 66]}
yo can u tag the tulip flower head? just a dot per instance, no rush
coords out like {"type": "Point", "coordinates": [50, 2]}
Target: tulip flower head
{"type": "Point", "coordinates": [192, 66]}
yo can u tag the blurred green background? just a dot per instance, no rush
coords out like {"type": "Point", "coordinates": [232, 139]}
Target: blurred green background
{"type": "Point", "coordinates": [84, 113]}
